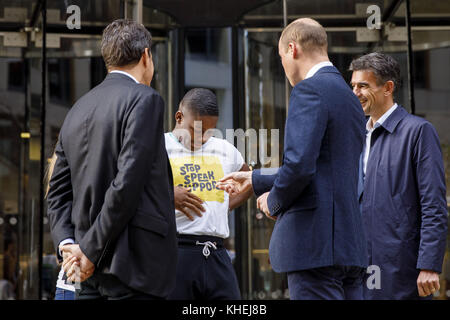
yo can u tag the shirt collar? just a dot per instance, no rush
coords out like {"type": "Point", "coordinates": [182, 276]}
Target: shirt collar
{"type": "Point", "coordinates": [397, 115]}
{"type": "Point", "coordinates": [382, 118]}
{"type": "Point", "coordinates": [316, 68]}
{"type": "Point", "coordinates": [125, 73]}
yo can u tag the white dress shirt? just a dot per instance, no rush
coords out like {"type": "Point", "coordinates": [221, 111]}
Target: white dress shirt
{"type": "Point", "coordinates": [125, 73]}
{"type": "Point", "coordinates": [370, 129]}
{"type": "Point", "coordinates": [316, 68]}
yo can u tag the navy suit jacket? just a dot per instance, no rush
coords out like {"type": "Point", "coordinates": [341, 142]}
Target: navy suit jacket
{"type": "Point", "coordinates": [314, 193]}
{"type": "Point", "coordinates": [404, 207]}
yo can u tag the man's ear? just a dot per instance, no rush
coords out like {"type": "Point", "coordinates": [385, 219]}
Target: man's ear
{"type": "Point", "coordinates": [293, 49]}
{"type": "Point", "coordinates": [146, 56]}
{"type": "Point", "coordinates": [389, 87]}
{"type": "Point", "coordinates": [178, 116]}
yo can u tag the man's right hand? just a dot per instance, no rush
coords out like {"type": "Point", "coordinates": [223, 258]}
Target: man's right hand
{"type": "Point", "coordinates": [76, 265]}
{"type": "Point", "coordinates": [236, 182]}
{"type": "Point", "coordinates": [185, 200]}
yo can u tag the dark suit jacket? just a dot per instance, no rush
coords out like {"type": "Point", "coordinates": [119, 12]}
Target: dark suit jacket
{"type": "Point", "coordinates": [314, 192]}
{"type": "Point", "coordinates": [404, 207]}
{"type": "Point", "coordinates": [112, 190]}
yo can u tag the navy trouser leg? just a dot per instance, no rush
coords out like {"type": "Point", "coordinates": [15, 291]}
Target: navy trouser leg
{"type": "Point", "coordinates": [190, 274]}
{"type": "Point", "coordinates": [354, 283]}
{"type": "Point", "coordinates": [327, 283]}
{"type": "Point", "coordinates": [201, 278]}
{"type": "Point", "coordinates": [221, 280]}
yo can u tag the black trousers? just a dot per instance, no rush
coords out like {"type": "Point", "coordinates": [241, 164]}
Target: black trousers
{"type": "Point", "coordinates": [101, 286]}
{"type": "Point", "coordinates": [327, 283]}
{"type": "Point", "coordinates": [203, 272]}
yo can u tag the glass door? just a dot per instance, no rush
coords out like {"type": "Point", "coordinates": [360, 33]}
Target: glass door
{"type": "Point", "coordinates": [20, 114]}
{"type": "Point", "coordinates": [74, 66]}
{"type": "Point", "coordinates": [265, 110]}
{"type": "Point", "coordinates": [13, 145]}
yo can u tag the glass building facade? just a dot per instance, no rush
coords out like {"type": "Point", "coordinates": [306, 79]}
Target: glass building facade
{"type": "Point", "coordinates": [45, 66]}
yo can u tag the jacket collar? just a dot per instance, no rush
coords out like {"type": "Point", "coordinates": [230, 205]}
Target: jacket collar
{"type": "Point", "coordinates": [392, 121]}
{"type": "Point", "coordinates": [327, 69]}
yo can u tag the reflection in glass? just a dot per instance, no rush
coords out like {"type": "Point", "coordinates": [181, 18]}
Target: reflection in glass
{"type": "Point", "coordinates": [432, 93]}
{"type": "Point", "coordinates": [160, 82]}
{"type": "Point", "coordinates": [330, 9]}
{"type": "Point", "coordinates": [153, 18]}
{"type": "Point", "coordinates": [12, 97]}
{"type": "Point", "coordinates": [19, 178]}
{"type": "Point", "coordinates": [92, 12]}
{"type": "Point", "coordinates": [265, 109]}
{"type": "Point", "coordinates": [208, 65]}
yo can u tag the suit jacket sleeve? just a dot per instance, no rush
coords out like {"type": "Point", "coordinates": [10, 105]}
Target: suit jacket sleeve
{"type": "Point", "coordinates": [143, 130]}
{"type": "Point", "coordinates": [305, 128]}
{"type": "Point", "coordinates": [430, 175]}
{"type": "Point", "coordinates": [60, 199]}
{"type": "Point", "coordinates": [262, 181]}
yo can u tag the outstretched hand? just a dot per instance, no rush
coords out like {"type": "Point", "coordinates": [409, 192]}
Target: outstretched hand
{"type": "Point", "coordinates": [236, 183]}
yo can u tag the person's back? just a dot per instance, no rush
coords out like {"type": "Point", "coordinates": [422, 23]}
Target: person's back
{"type": "Point", "coordinates": [345, 137]}
{"type": "Point", "coordinates": [332, 193]}
{"type": "Point", "coordinates": [92, 139]}
{"type": "Point", "coordinates": [111, 190]}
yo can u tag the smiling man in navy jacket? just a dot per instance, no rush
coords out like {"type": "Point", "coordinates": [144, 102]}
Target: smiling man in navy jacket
{"type": "Point", "coordinates": [318, 235]}
{"type": "Point", "coordinates": [402, 187]}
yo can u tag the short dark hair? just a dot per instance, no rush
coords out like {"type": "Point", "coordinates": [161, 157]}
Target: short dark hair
{"type": "Point", "coordinates": [201, 101]}
{"type": "Point", "coordinates": [383, 66]}
{"type": "Point", "coordinates": [124, 42]}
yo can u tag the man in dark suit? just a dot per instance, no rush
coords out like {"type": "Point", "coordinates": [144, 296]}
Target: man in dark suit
{"type": "Point", "coordinates": [111, 191]}
{"type": "Point", "coordinates": [318, 235]}
{"type": "Point", "coordinates": [402, 187]}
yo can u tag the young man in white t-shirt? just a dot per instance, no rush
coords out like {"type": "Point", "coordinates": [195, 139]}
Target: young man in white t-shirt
{"type": "Point", "coordinates": [199, 161]}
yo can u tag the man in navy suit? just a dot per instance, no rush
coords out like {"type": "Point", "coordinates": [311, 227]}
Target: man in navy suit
{"type": "Point", "coordinates": [402, 187]}
{"type": "Point", "coordinates": [318, 235]}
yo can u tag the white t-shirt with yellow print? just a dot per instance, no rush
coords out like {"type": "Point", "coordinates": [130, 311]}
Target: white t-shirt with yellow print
{"type": "Point", "coordinates": [200, 170]}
